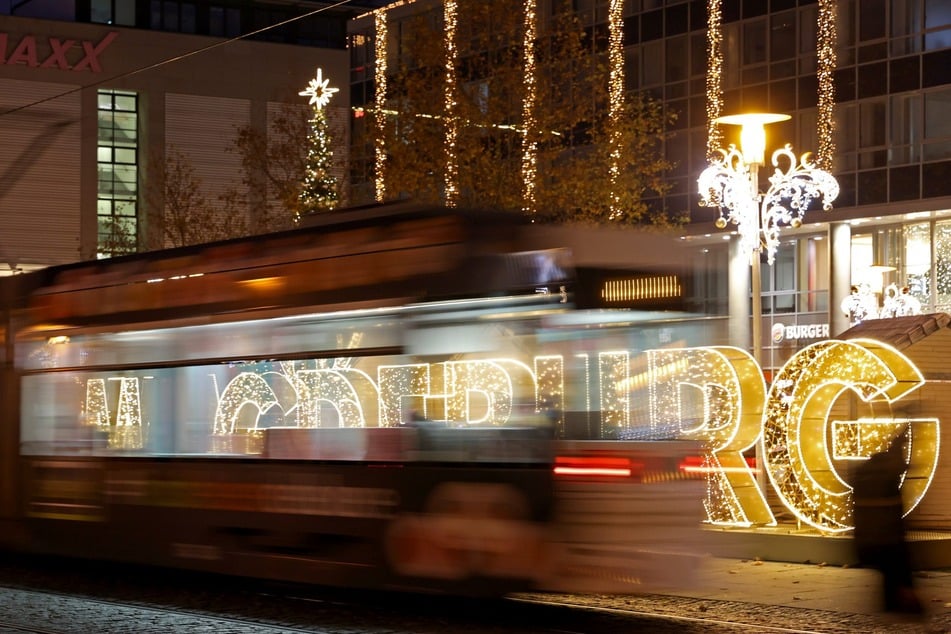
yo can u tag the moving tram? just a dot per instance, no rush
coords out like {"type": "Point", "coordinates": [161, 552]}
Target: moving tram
{"type": "Point", "coordinates": [401, 399]}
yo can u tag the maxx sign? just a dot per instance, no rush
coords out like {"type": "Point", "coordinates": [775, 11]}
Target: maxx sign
{"type": "Point", "coordinates": [53, 52]}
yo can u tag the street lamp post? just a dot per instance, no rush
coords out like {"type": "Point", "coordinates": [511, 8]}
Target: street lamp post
{"type": "Point", "coordinates": [731, 185]}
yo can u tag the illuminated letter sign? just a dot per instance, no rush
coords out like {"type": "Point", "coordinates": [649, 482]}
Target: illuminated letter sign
{"type": "Point", "coordinates": [715, 394]}
{"type": "Point", "coordinates": [796, 426]}
{"type": "Point", "coordinates": [726, 390]}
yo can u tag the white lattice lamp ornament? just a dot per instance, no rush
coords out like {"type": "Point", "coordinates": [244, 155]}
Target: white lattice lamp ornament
{"type": "Point", "coordinates": [731, 184]}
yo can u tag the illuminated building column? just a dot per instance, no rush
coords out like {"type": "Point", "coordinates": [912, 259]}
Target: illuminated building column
{"type": "Point", "coordinates": [840, 273]}
{"type": "Point", "coordinates": [739, 295]}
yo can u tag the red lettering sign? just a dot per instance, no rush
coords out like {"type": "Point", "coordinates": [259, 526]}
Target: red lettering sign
{"type": "Point", "coordinates": [92, 53]}
{"type": "Point", "coordinates": [57, 56]}
{"type": "Point", "coordinates": [27, 52]}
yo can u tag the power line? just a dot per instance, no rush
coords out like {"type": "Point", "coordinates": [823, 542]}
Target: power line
{"type": "Point", "coordinates": [177, 58]}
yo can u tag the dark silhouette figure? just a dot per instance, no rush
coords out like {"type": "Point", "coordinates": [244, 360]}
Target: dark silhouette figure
{"type": "Point", "coordinates": [880, 527]}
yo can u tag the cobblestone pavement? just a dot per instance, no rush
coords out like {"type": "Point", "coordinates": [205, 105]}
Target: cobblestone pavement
{"type": "Point", "coordinates": [728, 596]}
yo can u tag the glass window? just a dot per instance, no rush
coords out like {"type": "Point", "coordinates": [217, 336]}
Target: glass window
{"type": "Point", "coordinates": [125, 13]}
{"type": "Point", "coordinates": [754, 42]}
{"type": "Point", "coordinates": [916, 270]}
{"type": "Point", "coordinates": [937, 122]}
{"type": "Point", "coordinates": [871, 19]}
{"type": "Point", "coordinates": [111, 12]}
{"type": "Point", "coordinates": [652, 70]}
{"type": "Point", "coordinates": [937, 14]}
{"type": "Point", "coordinates": [906, 17]}
{"type": "Point", "coordinates": [937, 39]}
{"type": "Point", "coordinates": [127, 103]}
{"type": "Point", "coordinates": [942, 266]}
{"type": "Point", "coordinates": [118, 172]}
{"type": "Point", "coordinates": [125, 155]}
{"type": "Point", "coordinates": [872, 124]}
{"type": "Point", "coordinates": [782, 37]}
{"type": "Point", "coordinates": [189, 21]}
{"type": "Point", "coordinates": [676, 61]}
{"type": "Point", "coordinates": [905, 131]}
{"type": "Point", "coordinates": [216, 21]}
{"type": "Point", "coordinates": [170, 15]}
{"type": "Point", "coordinates": [100, 11]}
{"type": "Point", "coordinates": [698, 54]}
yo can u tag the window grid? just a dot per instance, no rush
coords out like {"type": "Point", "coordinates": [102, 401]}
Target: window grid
{"type": "Point", "coordinates": [117, 159]}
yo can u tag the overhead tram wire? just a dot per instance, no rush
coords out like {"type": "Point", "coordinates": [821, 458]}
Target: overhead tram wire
{"type": "Point", "coordinates": [173, 59]}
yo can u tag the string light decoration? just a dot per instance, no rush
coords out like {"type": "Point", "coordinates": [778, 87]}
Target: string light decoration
{"type": "Point", "coordinates": [529, 103]}
{"type": "Point", "coordinates": [379, 103]}
{"type": "Point", "coordinates": [731, 184]}
{"type": "Point", "coordinates": [863, 437]}
{"type": "Point", "coordinates": [247, 388]}
{"type": "Point", "coordinates": [716, 395]}
{"type": "Point", "coordinates": [96, 407]}
{"type": "Point", "coordinates": [319, 190]}
{"type": "Point", "coordinates": [615, 100]}
{"type": "Point", "coordinates": [496, 382]}
{"type": "Point", "coordinates": [346, 391]}
{"type": "Point", "coordinates": [797, 455]}
{"type": "Point", "coordinates": [128, 432]}
{"type": "Point", "coordinates": [714, 76]}
{"type": "Point", "coordinates": [128, 429]}
{"type": "Point", "coordinates": [550, 392]}
{"type": "Point", "coordinates": [613, 375]}
{"type": "Point", "coordinates": [451, 104]}
{"type": "Point", "coordinates": [826, 60]}
{"type": "Point", "coordinates": [398, 383]}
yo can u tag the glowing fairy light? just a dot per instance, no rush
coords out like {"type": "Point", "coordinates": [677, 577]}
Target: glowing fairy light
{"type": "Point", "coordinates": [96, 406]}
{"type": "Point", "coordinates": [529, 103]}
{"type": "Point", "coordinates": [247, 388]}
{"type": "Point", "coordinates": [615, 98]}
{"type": "Point", "coordinates": [825, 53]}
{"type": "Point", "coordinates": [483, 392]}
{"type": "Point", "coordinates": [399, 384]}
{"type": "Point", "coordinates": [613, 371]}
{"type": "Point", "coordinates": [714, 76]}
{"type": "Point", "coordinates": [550, 395]}
{"type": "Point", "coordinates": [345, 391]}
{"type": "Point", "coordinates": [128, 430]}
{"type": "Point", "coordinates": [127, 433]}
{"type": "Point", "coordinates": [716, 395]}
{"type": "Point", "coordinates": [450, 103]}
{"type": "Point", "coordinates": [799, 459]}
{"type": "Point", "coordinates": [379, 102]}
{"type": "Point", "coordinates": [319, 91]}
{"type": "Point", "coordinates": [713, 394]}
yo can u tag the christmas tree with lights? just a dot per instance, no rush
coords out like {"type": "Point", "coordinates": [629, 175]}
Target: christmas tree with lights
{"type": "Point", "coordinates": [319, 190]}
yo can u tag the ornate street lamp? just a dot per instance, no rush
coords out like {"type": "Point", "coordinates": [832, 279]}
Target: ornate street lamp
{"type": "Point", "coordinates": [731, 185]}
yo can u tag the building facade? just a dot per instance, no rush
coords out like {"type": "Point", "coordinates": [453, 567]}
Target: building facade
{"type": "Point", "coordinates": [890, 226]}
{"type": "Point", "coordinates": [97, 97]}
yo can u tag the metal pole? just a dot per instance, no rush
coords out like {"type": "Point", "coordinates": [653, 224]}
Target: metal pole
{"type": "Point", "coordinates": [756, 311]}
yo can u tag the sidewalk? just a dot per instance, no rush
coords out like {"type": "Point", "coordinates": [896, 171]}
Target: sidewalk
{"type": "Point", "coordinates": [812, 586]}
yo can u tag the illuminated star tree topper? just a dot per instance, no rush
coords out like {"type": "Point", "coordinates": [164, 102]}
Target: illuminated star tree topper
{"type": "Point", "coordinates": [319, 91]}
{"type": "Point", "coordinates": [319, 190]}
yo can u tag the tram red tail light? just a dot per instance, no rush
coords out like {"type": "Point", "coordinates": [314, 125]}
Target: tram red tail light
{"type": "Point", "coordinates": [597, 466]}
{"type": "Point", "coordinates": [700, 466]}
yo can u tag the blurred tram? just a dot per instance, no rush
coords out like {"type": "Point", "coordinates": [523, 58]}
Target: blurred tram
{"type": "Point", "coordinates": [394, 398]}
